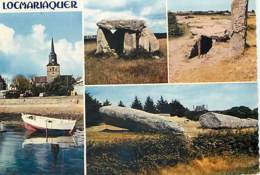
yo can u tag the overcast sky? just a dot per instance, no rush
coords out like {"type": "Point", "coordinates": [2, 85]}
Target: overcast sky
{"type": "Point", "coordinates": [216, 96]}
{"type": "Point", "coordinates": [25, 41]}
{"type": "Point", "coordinates": [152, 11]}
{"type": "Point", "coordinates": [203, 5]}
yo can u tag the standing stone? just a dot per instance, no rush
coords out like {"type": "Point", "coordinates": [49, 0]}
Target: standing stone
{"type": "Point", "coordinates": [138, 121]}
{"type": "Point", "coordinates": [129, 43]}
{"type": "Point", "coordinates": [148, 42]}
{"type": "Point", "coordinates": [102, 43]}
{"type": "Point", "coordinates": [239, 27]}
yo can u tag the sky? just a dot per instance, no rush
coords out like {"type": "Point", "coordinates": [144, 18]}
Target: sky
{"type": "Point", "coordinates": [25, 41]}
{"type": "Point", "coordinates": [216, 96]}
{"type": "Point", "coordinates": [152, 11]}
{"type": "Point", "coordinates": [203, 5]}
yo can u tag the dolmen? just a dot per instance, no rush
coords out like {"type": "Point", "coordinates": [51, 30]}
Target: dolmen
{"type": "Point", "coordinates": [125, 37]}
{"type": "Point", "coordinates": [138, 121]}
{"type": "Point", "coordinates": [213, 120]}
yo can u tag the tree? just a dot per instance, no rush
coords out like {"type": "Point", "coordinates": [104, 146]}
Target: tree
{"type": "Point", "coordinates": [21, 83]}
{"type": "Point", "coordinates": [162, 106]}
{"type": "Point", "coordinates": [106, 103]}
{"type": "Point", "coordinates": [92, 110]}
{"type": "Point", "coordinates": [60, 86]}
{"type": "Point", "coordinates": [121, 104]}
{"type": "Point", "coordinates": [177, 109]}
{"type": "Point", "coordinates": [3, 84]}
{"type": "Point", "coordinates": [137, 104]}
{"type": "Point", "coordinates": [174, 28]}
{"type": "Point", "coordinates": [241, 112]}
{"type": "Point", "coordinates": [149, 105]}
{"type": "Point", "coordinates": [36, 90]}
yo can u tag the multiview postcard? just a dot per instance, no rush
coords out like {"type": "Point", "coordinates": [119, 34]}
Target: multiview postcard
{"type": "Point", "coordinates": [129, 87]}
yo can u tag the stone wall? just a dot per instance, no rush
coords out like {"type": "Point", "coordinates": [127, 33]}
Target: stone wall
{"type": "Point", "coordinates": [43, 100]}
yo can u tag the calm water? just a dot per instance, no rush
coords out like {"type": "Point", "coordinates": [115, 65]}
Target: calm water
{"type": "Point", "coordinates": [37, 155]}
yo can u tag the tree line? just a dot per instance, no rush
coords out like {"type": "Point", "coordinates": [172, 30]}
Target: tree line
{"type": "Point", "coordinates": [24, 85]}
{"type": "Point", "coordinates": [162, 106]}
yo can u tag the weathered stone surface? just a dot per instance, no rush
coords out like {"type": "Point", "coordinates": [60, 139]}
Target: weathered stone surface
{"type": "Point", "coordinates": [239, 26]}
{"type": "Point", "coordinates": [129, 43]}
{"type": "Point", "coordinates": [136, 120]}
{"type": "Point", "coordinates": [218, 29]}
{"type": "Point", "coordinates": [217, 121]}
{"type": "Point", "coordinates": [102, 43]}
{"type": "Point", "coordinates": [133, 25]}
{"type": "Point", "coordinates": [148, 41]}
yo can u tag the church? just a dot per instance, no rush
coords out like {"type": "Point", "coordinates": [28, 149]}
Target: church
{"type": "Point", "coordinates": [53, 70]}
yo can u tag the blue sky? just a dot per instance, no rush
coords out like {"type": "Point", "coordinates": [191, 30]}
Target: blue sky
{"type": "Point", "coordinates": [216, 96]}
{"type": "Point", "coordinates": [203, 5]}
{"type": "Point", "coordinates": [25, 42]}
{"type": "Point", "coordinates": [152, 11]}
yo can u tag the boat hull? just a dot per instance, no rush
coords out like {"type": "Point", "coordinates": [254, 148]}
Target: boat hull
{"type": "Point", "coordinates": [34, 123]}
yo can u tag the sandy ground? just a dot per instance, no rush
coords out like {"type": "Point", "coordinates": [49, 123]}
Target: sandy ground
{"type": "Point", "coordinates": [217, 65]}
{"type": "Point", "coordinates": [62, 110]}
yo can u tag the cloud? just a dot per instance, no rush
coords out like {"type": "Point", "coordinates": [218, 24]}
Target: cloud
{"type": "Point", "coordinates": [7, 44]}
{"type": "Point", "coordinates": [28, 54]}
{"type": "Point", "coordinates": [152, 11]}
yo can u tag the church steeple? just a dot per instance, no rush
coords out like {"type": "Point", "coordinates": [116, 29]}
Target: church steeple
{"type": "Point", "coordinates": [52, 55]}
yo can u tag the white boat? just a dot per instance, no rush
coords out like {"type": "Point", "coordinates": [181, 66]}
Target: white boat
{"type": "Point", "coordinates": [35, 122]}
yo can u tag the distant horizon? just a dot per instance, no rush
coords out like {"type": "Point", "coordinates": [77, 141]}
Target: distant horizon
{"type": "Point", "coordinates": [204, 5]}
{"type": "Point", "coordinates": [189, 95]}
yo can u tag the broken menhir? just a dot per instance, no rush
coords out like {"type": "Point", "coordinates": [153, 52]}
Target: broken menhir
{"type": "Point", "coordinates": [138, 121]}
{"type": "Point", "coordinates": [125, 37]}
{"type": "Point", "coordinates": [213, 120]}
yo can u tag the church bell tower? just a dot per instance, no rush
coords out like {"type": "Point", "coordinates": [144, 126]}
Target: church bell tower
{"type": "Point", "coordinates": [53, 68]}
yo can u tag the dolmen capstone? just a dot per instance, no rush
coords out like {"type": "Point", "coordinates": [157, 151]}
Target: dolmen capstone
{"type": "Point", "coordinates": [213, 120]}
{"type": "Point", "coordinates": [125, 37]}
{"type": "Point", "coordinates": [138, 121]}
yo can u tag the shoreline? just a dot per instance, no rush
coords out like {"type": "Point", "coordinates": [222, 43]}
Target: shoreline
{"type": "Point", "coordinates": [57, 107]}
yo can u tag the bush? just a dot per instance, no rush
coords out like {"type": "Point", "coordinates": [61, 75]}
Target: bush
{"type": "Point", "coordinates": [174, 29]}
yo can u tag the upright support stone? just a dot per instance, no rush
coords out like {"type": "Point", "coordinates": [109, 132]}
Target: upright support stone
{"type": "Point", "coordinates": [148, 42]}
{"type": "Point", "coordinates": [129, 43]}
{"type": "Point", "coordinates": [102, 43]}
{"type": "Point", "coordinates": [239, 12]}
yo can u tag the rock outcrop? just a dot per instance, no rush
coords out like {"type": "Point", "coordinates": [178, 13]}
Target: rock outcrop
{"type": "Point", "coordinates": [239, 11]}
{"type": "Point", "coordinates": [136, 120]}
{"type": "Point", "coordinates": [217, 121]}
{"type": "Point", "coordinates": [129, 36]}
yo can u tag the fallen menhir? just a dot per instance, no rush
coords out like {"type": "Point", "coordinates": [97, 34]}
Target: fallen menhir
{"type": "Point", "coordinates": [138, 121]}
{"type": "Point", "coordinates": [213, 120]}
{"type": "Point", "coordinates": [125, 37]}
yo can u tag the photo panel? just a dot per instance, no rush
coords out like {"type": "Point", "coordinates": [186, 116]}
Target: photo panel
{"type": "Point", "coordinates": [212, 41]}
{"type": "Point", "coordinates": [172, 129]}
{"type": "Point", "coordinates": [125, 42]}
{"type": "Point", "coordinates": [41, 93]}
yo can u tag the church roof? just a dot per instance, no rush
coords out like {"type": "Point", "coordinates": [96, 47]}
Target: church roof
{"type": "Point", "coordinates": [40, 79]}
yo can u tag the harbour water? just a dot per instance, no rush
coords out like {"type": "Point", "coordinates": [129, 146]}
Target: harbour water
{"type": "Point", "coordinates": [23, 154]}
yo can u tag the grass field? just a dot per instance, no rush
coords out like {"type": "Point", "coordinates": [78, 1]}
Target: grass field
{"type": "Point", "coordinates": [114, 70]}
